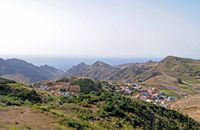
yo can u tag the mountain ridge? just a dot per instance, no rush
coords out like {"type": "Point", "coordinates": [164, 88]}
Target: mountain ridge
{"type": "Point", "coordinates": [97, 70]}
{"type": "Point", "coordinates": [164, 75]}
{"type": "Point", "coordinates": [20, 70]}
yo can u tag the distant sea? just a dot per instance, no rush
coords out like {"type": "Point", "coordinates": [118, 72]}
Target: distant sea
{"type": "Point", "coordinates": [65, 63]}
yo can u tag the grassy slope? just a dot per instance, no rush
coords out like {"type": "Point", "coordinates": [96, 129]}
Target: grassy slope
{"type": "Point", "coordinates": [172, 68]}
{"type": "Point", "coordinates": [189, 106]}
{"type": "Point", "coordinates": [20, 108]}
{"type": "Point", "coordinates": [111, 111]}
{"type": "Point", "coordinates": [100, 111]}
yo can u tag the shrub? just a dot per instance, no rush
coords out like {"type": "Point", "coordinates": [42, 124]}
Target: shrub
{"type": "Point", "coordinates": [75, 124]}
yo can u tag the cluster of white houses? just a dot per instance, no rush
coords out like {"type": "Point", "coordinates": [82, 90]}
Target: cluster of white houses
{"type": "Point", "coordinates": [150, 94]}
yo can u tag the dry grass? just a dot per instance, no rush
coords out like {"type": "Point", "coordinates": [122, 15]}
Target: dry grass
{"type": "Point", "coordinates": [189, 106]}
{"type": "Point", "coordinates": [26, 118]}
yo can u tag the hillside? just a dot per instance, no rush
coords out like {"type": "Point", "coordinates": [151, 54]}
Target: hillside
{"type": "Point", "coordinates": [98, 70]}
{"type": "Point", "coordinates": [72, 85]}
{"type": "Point", "coordinates": [102, 71]}
{"type": "Point", "coordinates": [173, 75]}
{"type": "Point", "coordinates": [179, 75]}
{"type": "Point", "coordinates": [131, 72]}
{"type": "Point", "coordinates": [18, 107]}
{"type": "Point", "coordinates": [23, 71]}
{"type": "Point", "coordinates": [189, 106]}
{"type": "Point", "coordinates": [22, 107]}
{"type": "Point", "coordinates": [14, 93]}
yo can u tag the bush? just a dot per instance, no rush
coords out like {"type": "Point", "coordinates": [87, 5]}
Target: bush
{"type": "Point", "coordinates": [87, 85]}
{"type": "Point", "coordinates": [135, 112]}
{"type": "Point", "coordinates": [20, 92]}
{"type": "Point", "coordinates": [75, 124]}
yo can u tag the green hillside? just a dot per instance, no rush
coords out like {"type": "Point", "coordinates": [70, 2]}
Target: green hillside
{"type": "Point", "coordinates": [164, 75]}
{"type": "Point", "coordinates": [13, 93]}
{"type": "Point", "coordinates": [85, 84]}
{"type": "Point", "coordinates": [92, 111]}
{"type": "Point", "coordinates": [170, 71]}
{"type": "Point", "coordinates": [112, 111]}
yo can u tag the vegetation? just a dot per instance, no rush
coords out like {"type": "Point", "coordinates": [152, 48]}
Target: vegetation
{"type": "Point", "coordinates": [189, 106]}
{"type": "Point", "coordinates": [170, 73]}
{"type": "Point", "coordinates": [122, 111]}
{"type": "Point", "coordinates": [86, 85]}
{"type": "Point", "coordinates": [169, 92]}
{"type": "Point", "coordinates": [15, 93]}
{"type": "Point", "coordinates": [93, 110]}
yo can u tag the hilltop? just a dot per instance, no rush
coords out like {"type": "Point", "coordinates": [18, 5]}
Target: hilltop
{"type": "Point", "coordinates": [72, 85]}
{"type": "Point", "coordinates": [179, 75]}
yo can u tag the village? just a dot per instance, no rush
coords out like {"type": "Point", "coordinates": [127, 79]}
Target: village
{"type": "Point", "coordinates": [150, 94]}
{"type": "Point", "coordinates": [134, 90]}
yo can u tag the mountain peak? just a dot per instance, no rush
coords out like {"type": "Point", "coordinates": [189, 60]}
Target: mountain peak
{"type": "Point", "coordinates": [15, 60]}
{"type": "Point", "coordinates": [81, 65]}
{"type": "Point", "coordinates": [98, 70]}
{"type": "Point", "coordinates": [48, 67]}
{"type": "Point", "coordinates": [100, 63]}
{"type": "Point", "coordinates": [176, 59]}
{"type": "Point", "coordinates": [45, 66]}
{"type": "Point", "coordinates": [171, 57]}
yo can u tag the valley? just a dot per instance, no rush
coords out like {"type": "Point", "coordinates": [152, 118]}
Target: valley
{"type": "Point", "coordinates": [99, 65]}
{"type": "Point", "coordinates": [101, 96]}
{"type": "Point", "coordinates": [164, 75]}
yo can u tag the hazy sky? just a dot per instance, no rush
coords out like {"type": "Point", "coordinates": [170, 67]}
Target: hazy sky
{"type": "Point", "coordinates": [100, 28]}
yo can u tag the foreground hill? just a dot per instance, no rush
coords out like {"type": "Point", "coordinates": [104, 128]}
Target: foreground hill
{"type": "Point", "coordinates": [23, 71]}
{"type": "Point", "coordinates": [172, 75]}
{"type": "Point", "coordinates": [189, 106]}
{"type": "Point", "coordinates": [18, 107]}
{"type": "Point", "coordinates": [22, 107]}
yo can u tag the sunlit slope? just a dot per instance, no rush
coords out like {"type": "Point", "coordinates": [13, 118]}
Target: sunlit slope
{"type": "Point", "coordinates": [189, 106]}
{"type": "Point", "coordinates": [22, 107]}
{"type": "Point", "coordinates": [179, 75]}
{"type": "Point", "coordinates": [174, 75]}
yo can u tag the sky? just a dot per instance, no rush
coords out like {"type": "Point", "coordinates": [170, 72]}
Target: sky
{"type": "Point", "coordinates": [100, 28]}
